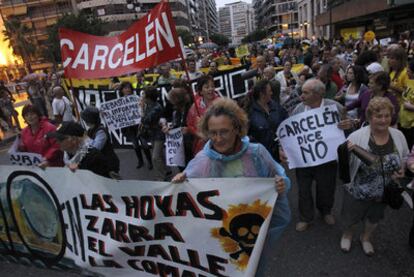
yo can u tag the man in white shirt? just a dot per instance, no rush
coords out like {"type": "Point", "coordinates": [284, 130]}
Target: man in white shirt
{"type": "Point", "coordinates": [61, 106]}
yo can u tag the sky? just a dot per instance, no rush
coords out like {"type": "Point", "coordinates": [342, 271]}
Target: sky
{"type": "Point", "coordinates": [221, 3]}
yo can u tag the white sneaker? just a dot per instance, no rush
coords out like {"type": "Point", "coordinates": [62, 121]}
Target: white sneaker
{"type": "Point", "coordinates": [346, 243]}
{"type": "Point", "coordinates": [302, 226]}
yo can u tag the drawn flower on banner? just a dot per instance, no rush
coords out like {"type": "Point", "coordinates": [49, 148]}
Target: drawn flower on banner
{"type": "Point", "coordinates": [240, 229]}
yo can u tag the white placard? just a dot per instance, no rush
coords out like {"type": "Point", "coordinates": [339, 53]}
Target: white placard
{"type": "Point", "coordinates": [311, 138]}
{"type": "Point", "coordinates": [174, 148]}
{"type": "Point", "coordinates": [122, 112]}
{"type": "Point", "coordinates": [23, 158]}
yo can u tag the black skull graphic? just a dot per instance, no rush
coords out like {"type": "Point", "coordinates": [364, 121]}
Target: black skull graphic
{"type": "Point", "coordinates": [244, 229]}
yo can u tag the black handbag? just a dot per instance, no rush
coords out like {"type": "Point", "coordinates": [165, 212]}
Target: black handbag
{"type": "Point", "coordinates": [392, 195]}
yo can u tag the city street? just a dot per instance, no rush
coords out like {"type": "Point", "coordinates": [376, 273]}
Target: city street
{"type": "Point", "coordinates": [315, 252]}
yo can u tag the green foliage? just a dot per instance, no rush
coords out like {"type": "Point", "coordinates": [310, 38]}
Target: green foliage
{"type": "Point", "coordinates": [19, 39]}
{"type": "Point", "coordinates": [255, 36]}
{"type": "Point", "coordinates": [82, 22]}
{"type": "Point", "coordinates": [220, 40]}
{"type": "Point", "coordinates": [186, 36]}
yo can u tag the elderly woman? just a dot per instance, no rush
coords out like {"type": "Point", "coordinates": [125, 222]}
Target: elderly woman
{"type": "Point", "coordinates": [265, 115]}
{"type": "Point", "coordinates": [205, 97]}
{"type": "Point", "coordinates": [288, 82]}
{"type": "Point", "coordinates": [228, 153]}
{"type": "Point", "coordinates": [33, 137]}
{"type": "Point", "coordinates": [363, 194]}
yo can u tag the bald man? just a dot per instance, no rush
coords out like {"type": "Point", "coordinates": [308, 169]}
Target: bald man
{"type": "Point", "coordinates": [61, 106]}
{"type": "Point", "coordinates": [324, 175]}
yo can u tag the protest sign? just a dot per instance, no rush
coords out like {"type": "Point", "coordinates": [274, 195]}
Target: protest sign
{"type": "Point", "coordinates": [23, 158]}
{"type": "Point", "coordinates": [148, 42]}
{"type": "Point", "coordinates": [228, 83]}
{"type": "Point", "coordinates": [174, 148]}
{"type": "Point", "coordinates": [311, 138]}
{"type": "Point", "coordinates": [102, 227]}
{"type": "Point", "coordinates": [122, 112]}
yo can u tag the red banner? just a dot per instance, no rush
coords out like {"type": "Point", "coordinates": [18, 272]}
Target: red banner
{"type": "Point", "coordinates": [148, 42]}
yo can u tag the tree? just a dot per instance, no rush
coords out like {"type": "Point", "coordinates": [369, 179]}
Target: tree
{"type": "Point", "coordinates": [83, 22]}
{"type": "Point", "coordinates": [220, 40]}
{"type": "Point", "coordinates": [255, 36]}
{"type": "Point", "coordinates": [20, 41]}
{"type": "Point", "coordinates": [186, 36]}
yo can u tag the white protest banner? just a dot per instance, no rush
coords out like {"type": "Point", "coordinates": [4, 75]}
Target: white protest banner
{"type": "Point", "coordinates": [122, 112]}
{"type": "Point", "coordinates": [174, 148]}
{"type": "Point", "coordinates": [311, 138]}
{"type": "Point", "coordinates": [103, 227]}
{"type": "Point", "coordinates": [23, 158]}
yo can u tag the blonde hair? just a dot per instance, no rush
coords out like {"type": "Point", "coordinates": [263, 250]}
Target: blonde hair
{"type": "Point", "coordinates": [378, 104]}
{"type": "Point", "coordinates": [229, 108]}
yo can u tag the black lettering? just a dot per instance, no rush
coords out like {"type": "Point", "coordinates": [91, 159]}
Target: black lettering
{"type": "Point", "coordinates": [92, 222]}
{"type": "Point", "coordinates": [321, 149]}
{"type": "Point", "coordinates": [215, 266]}
{"type": "Point", "coordinates": [147, 208]}
{"type": "Point", "coordinates": [162, 230]}
{"type": "Point", "coordinates": [308, 150]}
{"type": "Point", "coordinates": [121, 231]}
{"type": "Point", "coordinates": [203, 199]}
{"type": "Point", "coordinates": [132, 207]}
{"type": "Point", "coordinates": [164, 204]}
{"type": "Point", "coordinates": [167, 270]}
{"type": "Point", "coordinates": [156, 250]}
{"type": "Point", "coordinates": [185, 202]}
{"type": "Point", "coordinates": [137, 233]}
{"type": "Point", "coordinates": [112, 207]}
{"type": "Point", "coordinates": [289, 131]}
{"type": "Point", "coordinates": [138, 251]}
{"type": "Point", "coordinates": [296, 127]}
{"type": "Point", "coordinates": [302, 125]}
{"type": "Point", "coordinates": [92, 244]}
{"type": "Point", "coordinates": [108, 228]}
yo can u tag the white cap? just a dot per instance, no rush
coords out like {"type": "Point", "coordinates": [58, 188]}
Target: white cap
{"type": "Point", "coordinates": [374, 68]}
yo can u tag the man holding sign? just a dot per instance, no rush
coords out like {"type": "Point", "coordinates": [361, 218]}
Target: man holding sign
{"type": "Point", "coordinates": [311, 154]}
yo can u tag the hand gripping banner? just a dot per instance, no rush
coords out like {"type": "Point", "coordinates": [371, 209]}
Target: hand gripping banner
{"type": "Point", "coordinates": [148, 42]}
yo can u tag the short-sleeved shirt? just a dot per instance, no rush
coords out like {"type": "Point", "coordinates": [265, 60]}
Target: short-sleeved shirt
{"type": "Point", "coordinates": [406, 116]}
{"type": "Point", "coordinates": [62, 107]}
{"type": "Point", "coordinates": [399, 81]}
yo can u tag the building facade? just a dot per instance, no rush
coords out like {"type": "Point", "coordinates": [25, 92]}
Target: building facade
{"type": "Point", "coordinates": [277, 16]}
{"type": "Point", "coordinates": [38, 16]}
{"type": "Point", "coordinates": [308, 10]}
{"type": "Point", "coordinates": [197, 16]}
{"type": "Point", "coordinates": [208, 22]}
{"type": "Point", "coordinates": [387, 18]}
{"type": "Point", "coordinates": [236, 20]}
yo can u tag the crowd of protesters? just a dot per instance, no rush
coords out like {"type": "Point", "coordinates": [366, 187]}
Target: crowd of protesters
{"type": "Point", "coordinates": [369, 83]}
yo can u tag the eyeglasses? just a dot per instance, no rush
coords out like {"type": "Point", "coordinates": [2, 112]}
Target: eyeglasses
{"type": "Point", "coordinates": [225, 133]}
